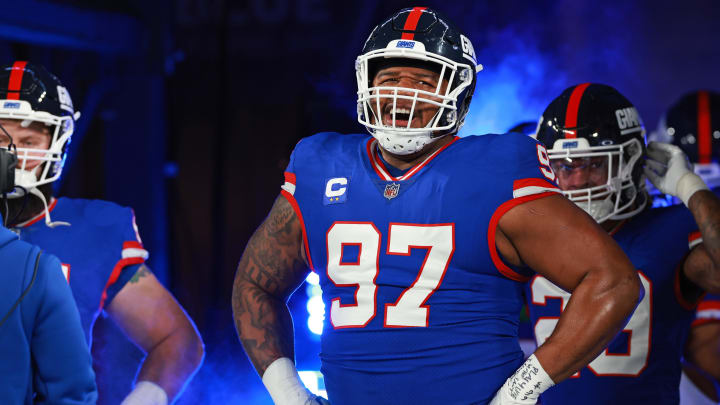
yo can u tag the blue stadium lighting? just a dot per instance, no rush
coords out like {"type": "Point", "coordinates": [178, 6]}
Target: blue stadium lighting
{"type": "Point", "coordinates": [313, 278]}
{"type": "Point", "coordinates": [313, 290]}
{"type": "Point", "coordinates": [315, 324]}
{"type": "Point", "coordinates": [315, 306]}
{"type": "Point", "coordinates": [314, 381]}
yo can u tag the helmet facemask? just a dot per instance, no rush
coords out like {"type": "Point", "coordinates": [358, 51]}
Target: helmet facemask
{"type": "Point", "coordinates": [613, 199]}
{"type": "Point", "coordinates": [51, 160]}
{"type": "Point", "coordinates": [398, 136]}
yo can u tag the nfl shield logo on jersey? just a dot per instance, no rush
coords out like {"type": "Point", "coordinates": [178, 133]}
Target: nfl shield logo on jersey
{"type": "Point", "coordinates": [391, 190]}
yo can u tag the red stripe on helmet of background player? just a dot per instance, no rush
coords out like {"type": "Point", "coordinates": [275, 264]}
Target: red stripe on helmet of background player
{"type": "Point", "coordinates": [571, 115]}
{"type": "Point", "coordinates": [412, 22]}
{"type": "Point", "coordinates": [16, 75]}
{"type": "Point", "coordinates": [703, 123]}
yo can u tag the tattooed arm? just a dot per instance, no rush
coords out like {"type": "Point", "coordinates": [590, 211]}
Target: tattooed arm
{"type": "Point", "coordinates": [702, 266]}
{"type": "Point", "coordinates": [271, 268]}
{"type": "Point", "coordinates": [150, 317]}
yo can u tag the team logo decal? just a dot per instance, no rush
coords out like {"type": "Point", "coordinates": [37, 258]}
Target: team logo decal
{"type": "Point", "coordinates": [64, 98]}
{"type": "Point", "coordinates": [391, 190]}
{"type": "Point", "coordinates": [628, 120]}
{"type": "Point", "coordinates": [467, 48]}
{"type": "Point", "coordinates": [335, 190]}
{"type": "Point", "coordinates": [405, 44]}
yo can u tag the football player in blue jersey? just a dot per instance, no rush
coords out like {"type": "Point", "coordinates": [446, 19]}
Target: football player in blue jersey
{"type": "Point", "coordinates": [596, 143]}
{"type": "Point", "coordinates": [693, 124]}
{"type": "Point", "coordinates": [45, 357]}
{"type": "Point", "coordinates": [97, 242]}
{"type": "Point", "coordinates": [422, 242]}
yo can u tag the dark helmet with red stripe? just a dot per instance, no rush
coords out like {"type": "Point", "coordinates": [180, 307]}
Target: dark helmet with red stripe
{"type": "Point", "coordinates": [594, 127]}
{"type": "Point", "coordinates": [417, 37]}
{"type": "Point", "coordinates": [693, 124]}
{"type": "Point", "coordinates": [525, 127]}
{"type": "Point", "coordinates": [30, 93]}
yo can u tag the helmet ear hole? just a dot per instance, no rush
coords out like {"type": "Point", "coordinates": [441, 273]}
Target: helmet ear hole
{"type": "Point", "coordinates": [451, 116]}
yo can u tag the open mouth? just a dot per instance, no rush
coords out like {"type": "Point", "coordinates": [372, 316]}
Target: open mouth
{"type": "Point", "coordinates": [401, 114]}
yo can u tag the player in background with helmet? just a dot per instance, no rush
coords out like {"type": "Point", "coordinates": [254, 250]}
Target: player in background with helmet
{"type": "Point", "coordinates": [525, 127]}
{"type": "Point", "coordinates": [45, 357]}
{"type": "Point", "coordinates": [596, 143]}
{"type": "Point", "coordinates": [693, 124]}
{"type": "Point", "coordinates": [422, 242]}
{"type": "Point", "coordinates": [96, 241]}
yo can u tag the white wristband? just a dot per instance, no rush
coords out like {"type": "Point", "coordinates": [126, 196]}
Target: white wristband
{"type": "Point", "coordinates": [525, 385]}
{"type": "Point", "coordinates": [688, 185]}
{"type": "Point", "coordinates": [146, 393]}
{"type": "Point", "coordinates": [282, 381]}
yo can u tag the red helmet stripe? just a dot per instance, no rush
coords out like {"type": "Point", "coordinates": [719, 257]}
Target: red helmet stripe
{"type": "Point", "coordinates": [15, 82]}
{"type": "Point", "coordinates": [703, 124]}
{"type": "Point", "coordinates": [412, 22]}
{"type": "Point", "coordinates": [571, 115]}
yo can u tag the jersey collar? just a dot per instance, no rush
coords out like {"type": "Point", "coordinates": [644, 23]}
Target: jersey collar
{"type": "Point", "coordinates": [384, 173]}
{"type": "Point", "coordinates": [39, 216]}
{"type": "Point", "coordinates": [617, 227]}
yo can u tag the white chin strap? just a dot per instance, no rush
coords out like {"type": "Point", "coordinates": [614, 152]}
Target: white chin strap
{"type": "Point", "coordinates": [28, 177]}
{"type": "Point", "coordinates": [403, 143]}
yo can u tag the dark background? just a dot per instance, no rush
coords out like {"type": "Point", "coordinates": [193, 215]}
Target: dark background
{"type": "Point", "coordinates": [191, 109]}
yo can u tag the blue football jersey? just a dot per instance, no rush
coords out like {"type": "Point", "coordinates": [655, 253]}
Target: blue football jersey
{"type": "Point", "coordinates": [101, 241]}
{"type": "Point", "coordinates": [100, 251]}
{"type": "Point", "coordinates": [642, 364]}
{"type": "Point", "coordinates": [420, 307]}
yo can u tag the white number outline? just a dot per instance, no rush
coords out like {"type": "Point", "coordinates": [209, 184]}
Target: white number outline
{"type": "Point", "coordinates": [335, 315]}
{"type": "Point", "coordinates": [544, 160]}
{"type": "Point", "coordinates": [400, 250]}
{"type": "Point", "coordinates": [647, 300]}
{"type": "Point", "coordinates": [427, 271]}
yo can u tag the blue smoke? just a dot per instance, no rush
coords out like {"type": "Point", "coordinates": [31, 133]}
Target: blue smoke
{"type": "Point", "coordinates": [517, 83]}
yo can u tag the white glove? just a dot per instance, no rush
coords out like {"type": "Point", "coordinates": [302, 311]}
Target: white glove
{"type": "Point", "coordinates": [525, 385]}
{"type": "Point", "coordinates": [146, 393]}
{"type": "Point", "coordinates": [285, 387]}
{"type": "Point", "coordinates": [669, 170]}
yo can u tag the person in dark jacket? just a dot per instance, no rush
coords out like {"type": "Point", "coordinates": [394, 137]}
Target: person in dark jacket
{"type": "Point", "coordinates": [44, 358]}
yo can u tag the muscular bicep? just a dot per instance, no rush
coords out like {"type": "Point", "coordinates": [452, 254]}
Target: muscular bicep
{"type": "Point", "coordinates": [700, 269]}
{"type": "Point", "coordinates": [559, 241]}
{"type": "Point", "coordinates": [146, 311]}
{"type": "Point", "coordinates": [270, 269]}
{"type": "Point", "coordinates": [274, 258]}
{"type": "Point", "coordinates": [703, 348]}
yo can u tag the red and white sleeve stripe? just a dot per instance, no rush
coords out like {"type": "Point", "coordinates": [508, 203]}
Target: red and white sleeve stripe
{"type": "Point", "coordinates": [707, 311]}
{"type": "Point", "coordinates": [134, 249]}
{"type": "Point", "coordinates": [694, 239]}
{"type": "Point", "coordinates": [526, 187]}
{"type": "Point", "coordinates": [289, 185]}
